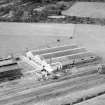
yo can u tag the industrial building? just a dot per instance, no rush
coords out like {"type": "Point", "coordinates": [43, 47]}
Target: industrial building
{"type": "Point", "coordinates": [49, 61]}
{"type": "Point", "coordinates": [59, 58]}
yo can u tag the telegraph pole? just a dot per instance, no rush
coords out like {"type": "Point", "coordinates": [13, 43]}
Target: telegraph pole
{"type": "Point", "coordinates": [74, 30]}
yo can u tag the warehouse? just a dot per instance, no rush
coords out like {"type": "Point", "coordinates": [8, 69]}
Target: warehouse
{"type": "Point", "coordinates": [61, 57]}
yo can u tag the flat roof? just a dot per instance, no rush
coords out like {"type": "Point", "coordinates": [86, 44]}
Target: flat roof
{"type": "Point", "coordinates": [63, 53]}
{"type": "Point", "coordinates": [53, 49]}
{"type": "Point", "coordinates": [71, 57]}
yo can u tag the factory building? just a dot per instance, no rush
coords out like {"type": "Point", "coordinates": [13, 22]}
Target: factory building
{"type": "Point", "coordinates": [58, 58]}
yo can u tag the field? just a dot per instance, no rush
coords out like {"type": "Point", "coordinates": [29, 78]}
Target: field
{"type": "Point", "coordinates": [86, 9]}
{"type": "Point", "coordinates": [92, 37]}
{"type": "Point", "coordinates": [15, 38]}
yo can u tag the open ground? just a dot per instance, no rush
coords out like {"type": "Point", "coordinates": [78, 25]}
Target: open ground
{"type": "Point", "coordinates": [15, 38]}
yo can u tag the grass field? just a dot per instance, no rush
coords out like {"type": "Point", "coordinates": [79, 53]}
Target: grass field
{"type": "Point", "coordinates": [92, 37]}
{"type": "Point", "coordinates": [15, 38]}
{"type": "Point", "coordinates": [87, 9]}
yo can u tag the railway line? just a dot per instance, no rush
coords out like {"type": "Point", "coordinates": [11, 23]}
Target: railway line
{"type": "Point", "coordinates": [35, 84]}
{"type": "Point", "coordinates": [52, 90]}
{"type": "Point", "coordinates": [8, 87]}
{"type": "Point", "coordinates": [76, 97]}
